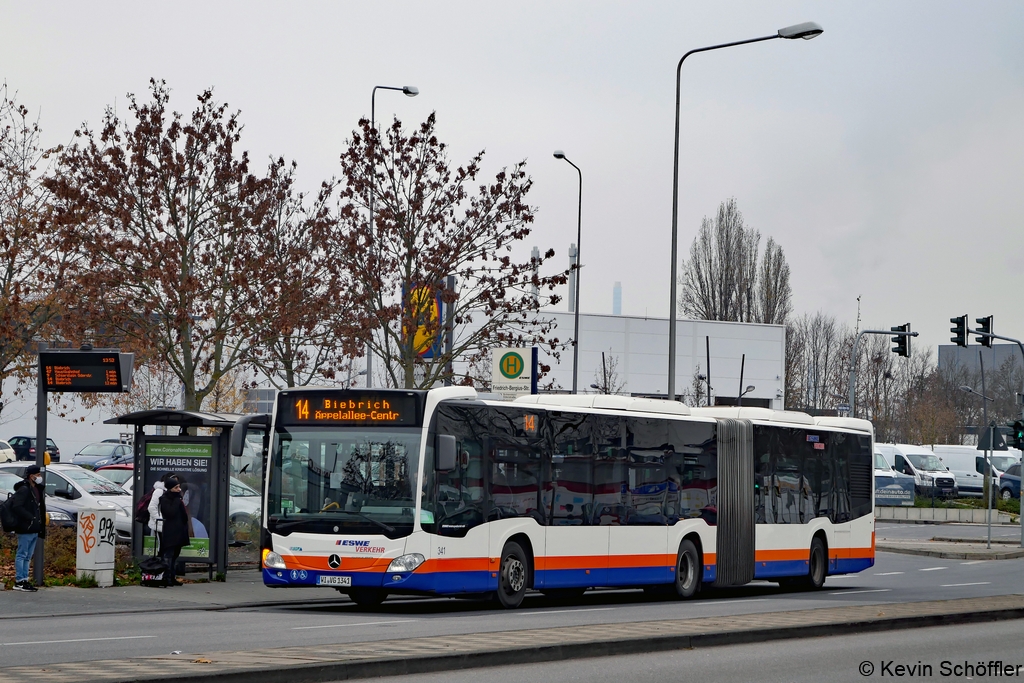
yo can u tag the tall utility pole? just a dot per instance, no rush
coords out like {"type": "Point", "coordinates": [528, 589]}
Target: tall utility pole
{"type": "Point", "coordinates": [409, 91]}
{"type": "Point", "coordinates": [806, 31]}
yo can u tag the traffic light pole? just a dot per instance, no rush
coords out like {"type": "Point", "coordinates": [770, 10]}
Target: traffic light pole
{"type": "Point", "coordinates": [853, 359]}
{"type": "Point", "coordinates": [1020, 345]}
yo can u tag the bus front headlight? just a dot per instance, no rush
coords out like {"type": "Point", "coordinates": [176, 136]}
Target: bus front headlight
{"type": "Point", "coordinates": [272, 560]}
{"type": "Point", "coordinates": [405, 563]}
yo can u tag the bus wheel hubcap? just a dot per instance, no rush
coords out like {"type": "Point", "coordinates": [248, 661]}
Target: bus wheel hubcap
{"type": "Point", "coordinates": [685, 572]}
{"type": "Point", "coordinates": [515, 575]}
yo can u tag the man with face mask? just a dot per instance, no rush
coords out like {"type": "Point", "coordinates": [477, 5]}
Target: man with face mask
{"type": "Point", "coordinates": [29, 510]}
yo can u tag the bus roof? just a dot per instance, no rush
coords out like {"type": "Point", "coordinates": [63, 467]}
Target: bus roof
{"type": "Point", "coordinates": [607, 402]}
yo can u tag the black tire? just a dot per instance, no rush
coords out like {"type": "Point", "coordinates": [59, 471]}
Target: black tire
{"type": "Point", "coordinates": [817, 569]}
{"type": "Point", "coordinates": [512, 576]}
{"type": "Point", "coordinates": [564, 594]}
{"type": "Point", "coordinates": [689, 571]}
{"type": "Point", "coordinates": [366, 597]}
{"type": "Point", "coordinates": [1006, 494]}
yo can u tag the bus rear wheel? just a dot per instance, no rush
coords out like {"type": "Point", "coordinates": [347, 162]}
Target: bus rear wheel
{"type": "Point", "coordinates": [817, 569]}
{"type": "Point", "coordinates": [512, 576]}
{"type": "Point", "coordinates": [366, 597]}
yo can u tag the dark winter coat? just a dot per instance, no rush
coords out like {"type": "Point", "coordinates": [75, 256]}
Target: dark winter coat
{"type": "Point", "coordinates": [29, 509]}
{"type": "Point", "coordinates": [175, 527]}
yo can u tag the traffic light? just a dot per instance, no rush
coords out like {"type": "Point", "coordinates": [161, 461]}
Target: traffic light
{"type": "Point", "coordinates": [985, 325]}
{"type": "Point", "coordinates": [959, 331]}
{"type": "Point", "coordinates": [1015, 439]}
{"type": "Point", "coordinates": [902, 341]}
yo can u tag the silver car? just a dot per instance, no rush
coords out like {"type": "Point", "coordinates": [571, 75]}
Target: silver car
{"type": "Point", "coordinates": [77, 488]}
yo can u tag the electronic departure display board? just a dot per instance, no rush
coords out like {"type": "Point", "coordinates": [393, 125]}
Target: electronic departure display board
{"type": "Point", "coordinates": [81, 370]}
{"type": "Point", "coordinates": [345, 407]}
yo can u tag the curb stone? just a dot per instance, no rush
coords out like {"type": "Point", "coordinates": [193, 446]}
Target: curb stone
{"type": "Point", "coordinates": [320, 663]}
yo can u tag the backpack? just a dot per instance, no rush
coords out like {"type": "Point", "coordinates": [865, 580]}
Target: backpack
{"type": "Point", "coordinates": [152, 569]}
{"type": "Point", "coordinates": [142, 509]}
{"type": "Point", "coordinates": [7, 520]}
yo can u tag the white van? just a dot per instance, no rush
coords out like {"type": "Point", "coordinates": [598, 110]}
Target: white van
{"type": "Point", "coordinates": [931, 477]}
{"type": "Point", "coordinates": [971, 461]}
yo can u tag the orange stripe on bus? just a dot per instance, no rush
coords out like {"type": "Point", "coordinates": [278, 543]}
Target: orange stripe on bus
{"type": "Point", "coordinates": [458, 564]}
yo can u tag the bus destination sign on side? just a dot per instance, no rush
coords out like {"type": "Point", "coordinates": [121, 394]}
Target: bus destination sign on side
{"type": "Point", "coordinates": [350, 408]}
{"type": "Point", "coordinates": [81, 371]}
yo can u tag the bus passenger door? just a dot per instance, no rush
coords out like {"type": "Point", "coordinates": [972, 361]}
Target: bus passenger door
{"type": "Point", "coordinates": [576, 546]}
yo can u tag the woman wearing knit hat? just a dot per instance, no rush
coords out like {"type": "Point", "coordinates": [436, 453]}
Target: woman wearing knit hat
{"type": "Point", "coordinates": [173, 531]}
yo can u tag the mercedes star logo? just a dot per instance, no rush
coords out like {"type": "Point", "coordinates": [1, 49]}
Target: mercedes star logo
{"type": "Point", "coordinates": [334, 562]}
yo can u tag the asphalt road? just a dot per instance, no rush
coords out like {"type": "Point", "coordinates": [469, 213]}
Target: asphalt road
{"type": "Point", "coordinates": [810, 660]}
{"type": "Point", "coordinates": [894, 578]}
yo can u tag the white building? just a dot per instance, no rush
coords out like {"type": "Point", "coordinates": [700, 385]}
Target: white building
{"type": "Point", "coordinates": [639, 347]}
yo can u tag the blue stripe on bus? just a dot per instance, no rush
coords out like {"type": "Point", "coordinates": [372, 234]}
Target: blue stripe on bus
{"type": "Point", "coordinates": [452, 583]}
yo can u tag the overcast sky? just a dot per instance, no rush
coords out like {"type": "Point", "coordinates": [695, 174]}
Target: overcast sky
{"type": "Point", "coordinates": [886, 156]}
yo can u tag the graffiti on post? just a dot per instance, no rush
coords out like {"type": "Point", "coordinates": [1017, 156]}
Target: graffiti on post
{"type": "Point", "coordinates": [107, 533]}
{"type": "Point", "coordinates": [87, 525]}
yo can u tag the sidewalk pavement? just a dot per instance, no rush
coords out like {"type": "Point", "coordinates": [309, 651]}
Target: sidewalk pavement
{"type": "Point", "coordinates": [954, 548]}
{"type": "Point", "coordinates": [317, 663]}
{"type": "Point", "coordinates": [243, 588]}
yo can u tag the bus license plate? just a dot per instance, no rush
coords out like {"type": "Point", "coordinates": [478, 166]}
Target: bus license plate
{"type": "Point", "coordinates": [335, 581]}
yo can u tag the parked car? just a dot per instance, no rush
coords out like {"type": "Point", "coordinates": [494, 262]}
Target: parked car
{"type": "Point", "coordinates": [931, 477]}
{"type": "Point", "coordinates": [25, 448]}
{"type": "Point", "coordinates": [7, 453]}
{"type": "Point", "coordinates": [98, 454]}
{"type": "Point", "coordinates": [121, 474]}
{"type": "Point", "coordinates": [60, 515]}
{"type": "Point", "coordinates": [77, 488]}
{"type": "Point", "coordinates": [1009, 483]}
{"type": "Point", "coordinates": [7, 482]}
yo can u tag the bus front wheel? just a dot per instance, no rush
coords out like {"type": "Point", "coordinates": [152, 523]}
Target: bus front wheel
{"type": "Point", "coordinates": [366, 597]}
{"type": "Point", "coordinates": [512, 576]}
{"type": "Point", "coordinates": [688, 571]}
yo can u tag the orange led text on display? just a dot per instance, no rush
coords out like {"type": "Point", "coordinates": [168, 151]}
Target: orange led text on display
{"type": "Point", "coordinates": [348, 410]}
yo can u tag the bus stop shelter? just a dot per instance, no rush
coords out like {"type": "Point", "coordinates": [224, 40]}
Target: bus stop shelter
{"type": "Point", "coordinates": [201, 462]}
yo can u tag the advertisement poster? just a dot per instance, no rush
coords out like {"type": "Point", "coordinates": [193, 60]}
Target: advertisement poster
{"type": "Point", "coordinates": [192, 464]}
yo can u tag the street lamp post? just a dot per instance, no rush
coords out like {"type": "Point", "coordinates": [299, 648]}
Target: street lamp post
{"type": "Point", "coordinates": [806, 31]}
{"type": "Point", "coordinates": [988, 458]}
{"type": "Point", "coordinates": [409, 91]}
{"type": "Point", "coordinates": [559, 154]}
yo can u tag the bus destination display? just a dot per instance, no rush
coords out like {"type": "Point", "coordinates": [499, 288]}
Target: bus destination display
{"type": "Point", "coordinates": [81, 371]}
{"type": "Point", "coordinates": [350, 408]}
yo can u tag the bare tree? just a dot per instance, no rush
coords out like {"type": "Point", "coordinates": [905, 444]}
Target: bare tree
{"type": "Point", "coordinates": [817, 361]}
{"type": "Point", "coordinates": [429, 225]}
{"type": "Point", "coordinates": [606, 377]}
{"type": "Point", "coordinates": [726, 278]}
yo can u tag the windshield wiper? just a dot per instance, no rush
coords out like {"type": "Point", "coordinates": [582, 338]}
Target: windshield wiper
{"type": "Point", "coordinates": [386, 527]}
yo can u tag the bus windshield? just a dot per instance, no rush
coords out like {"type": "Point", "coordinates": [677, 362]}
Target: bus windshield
{"type": "Point", "coordinates": [343, 480]}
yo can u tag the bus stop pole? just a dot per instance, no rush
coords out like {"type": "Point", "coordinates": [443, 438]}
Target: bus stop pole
{"type": "Point", "coordinates": [37, 572]}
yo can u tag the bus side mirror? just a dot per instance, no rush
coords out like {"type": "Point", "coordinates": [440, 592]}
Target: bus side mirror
{"type": "Point", "coordinates": [446, 457]}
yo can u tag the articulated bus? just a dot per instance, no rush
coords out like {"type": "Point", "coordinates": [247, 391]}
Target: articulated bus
{"type": "Point", "coordinates": [439, 492]}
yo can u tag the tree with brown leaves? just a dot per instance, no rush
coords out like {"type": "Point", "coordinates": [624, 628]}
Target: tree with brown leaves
{"type": "Point", "coordinates": [34, 264]}
{"type": "Point", "coordinates": [309, 324]}
{"type": "Point", "coordinates": [429, 224]}
{"type": "Point", "coordinates": [168, 217]}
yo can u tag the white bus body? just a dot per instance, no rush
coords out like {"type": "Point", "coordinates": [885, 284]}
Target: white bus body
{"type": "Point", "coordinates": [604, 491]}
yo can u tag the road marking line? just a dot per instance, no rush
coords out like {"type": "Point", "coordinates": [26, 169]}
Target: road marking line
{"type": "Point", "coordinates": [954, 585]}
{"type": "Point", "coordinates": [76, 640]}
{"type": "Point", "coordinates": [974, 562]}
{"type": "Point", "coordinates": [562, 611]}
{"type": "Point", "coordinates": [842, 576]}
{"type": "Point", "coordinates": [363, 623]}
{"type": "Point", "coordinates": [933, 569]}
{"type": "Point", "coordinates": [888, 574]}
{"type": "Point", "coordinates": [874, 590]}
